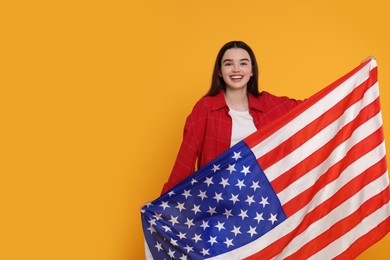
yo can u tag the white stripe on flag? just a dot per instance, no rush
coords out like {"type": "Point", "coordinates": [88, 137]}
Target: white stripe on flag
{"type": "Point", "coordinates": [367, 224]}
{"type": "Point", "coordinates": [321, 138]}
{"type": "Point", "coordinates": [337, 154]}
{"type": "Point", "coordinates": [342, 211]}
{"type": "Point", "coordinates": [148, 254]}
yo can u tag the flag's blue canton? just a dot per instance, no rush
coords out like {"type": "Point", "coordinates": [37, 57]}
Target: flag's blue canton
{"type": "Point", "coordinates": [224, 205]}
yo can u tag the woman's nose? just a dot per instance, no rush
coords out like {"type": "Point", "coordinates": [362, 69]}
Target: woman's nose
{"type": "Point", "coordinates": [236, 68]}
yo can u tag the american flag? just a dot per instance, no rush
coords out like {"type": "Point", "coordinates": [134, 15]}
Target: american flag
{"type": "Point", "coordinates": [311, 185]}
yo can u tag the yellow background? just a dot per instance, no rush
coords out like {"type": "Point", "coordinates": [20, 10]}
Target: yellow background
{"type": "Point", "coordinates": [94, 94]}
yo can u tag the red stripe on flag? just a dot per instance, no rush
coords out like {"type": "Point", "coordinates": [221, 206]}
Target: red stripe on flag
{"type": "Point", "coordinates": [315, 126]}
{"type": "Point", "coordinates": [346, 224]}
{"type": "Point", "coordinates": [334, 172]}
{"type": "Point", "coordinates": [366, 241]}
{"type": "Point", "coordinates": [309, 163]}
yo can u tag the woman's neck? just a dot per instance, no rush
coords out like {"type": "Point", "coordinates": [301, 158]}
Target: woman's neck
{"type": "Point", "coordinates": [237, 100]}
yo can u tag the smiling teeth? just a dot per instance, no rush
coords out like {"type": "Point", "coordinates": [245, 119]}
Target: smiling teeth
{"type": "Point", "coordinates": [236, 77]}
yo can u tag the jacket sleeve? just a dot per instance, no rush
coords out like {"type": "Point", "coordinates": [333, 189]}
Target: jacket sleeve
{"type": "Point", "coordinates": [191, 146]}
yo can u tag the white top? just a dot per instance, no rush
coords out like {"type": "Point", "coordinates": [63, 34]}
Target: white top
{"type": "Point", "coordinates": [242, 125]}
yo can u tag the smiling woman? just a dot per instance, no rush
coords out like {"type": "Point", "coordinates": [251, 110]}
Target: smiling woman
{"type": "Point", "coordinates": [236, 71]}
{"type": "Point", "coordinates": [232, 109]}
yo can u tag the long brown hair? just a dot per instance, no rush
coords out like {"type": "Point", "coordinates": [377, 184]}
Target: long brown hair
{"type": "Point", "coordinates": [217, 82]}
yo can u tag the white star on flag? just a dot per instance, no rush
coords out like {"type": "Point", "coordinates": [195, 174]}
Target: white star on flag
{"type": "Point", "coordinates": [220, 226]}
{"type": "Point", "coordinates": [228, 242]}
{"type": "Point", "coordinates": [212, 240]}
{"type": "Point", "coordinates": [231, 168]}
{"type": "Point", "coordinates": [197, 237]}
{"type": "Point", "coordinates": [245, 170]}
{"type": "Point", "coordinates": [237, 156]}
{"type": "Point", "coordinates": [216, 168]}
{"type": "Point", "coordinates": [259, 217]}
{"type": "Point", "coordinates": [173, 220]}
{"type": "Point", "coordinates": [255, 185]}
{"type": "Point", "coordinates": [186, 193]}
{"type": "Point", "coordinates": [236, 230]}
{"type": "Point", "coordinates": [243, 214]}
{"type": "Point", "coordinates": [164, 204]}
{"type": "Point", "coordinates": [224, 182]}
{"type": "Point", "coordinates": [202, 194]}
{"type": "Point", "coordinates": [273, 218]}
{"type": "Point", "coordinates": [234, 198]}
{"type": "Point", "coordinates": [252, 231]}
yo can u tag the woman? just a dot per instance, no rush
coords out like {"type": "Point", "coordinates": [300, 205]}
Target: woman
{"type": "Point", "coordinates": [232, 109]}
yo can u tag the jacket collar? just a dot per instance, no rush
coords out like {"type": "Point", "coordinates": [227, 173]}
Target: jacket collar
{"type": "Point", "coordinates": [220, 102]}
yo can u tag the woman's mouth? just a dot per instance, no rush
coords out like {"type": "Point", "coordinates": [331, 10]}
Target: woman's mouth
{"type": "Point", "coordinates": [236, 77]}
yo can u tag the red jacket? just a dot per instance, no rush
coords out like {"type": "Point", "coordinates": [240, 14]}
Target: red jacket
{"type": "Point", "coordinates": [208, 130]}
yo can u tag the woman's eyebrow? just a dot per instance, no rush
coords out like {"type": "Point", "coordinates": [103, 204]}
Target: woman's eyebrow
{"type": "Point", "coordinates": [226, 60]}
{"type": "Point", "coordinates": [244, 59]}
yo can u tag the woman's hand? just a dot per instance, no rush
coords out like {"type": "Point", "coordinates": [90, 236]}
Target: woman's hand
{"type": "Point", "coordinates": [368, 58]}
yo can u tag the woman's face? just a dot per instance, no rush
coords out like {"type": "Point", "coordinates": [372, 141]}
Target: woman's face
{"type": "Point", "coordinates": [236, 68]}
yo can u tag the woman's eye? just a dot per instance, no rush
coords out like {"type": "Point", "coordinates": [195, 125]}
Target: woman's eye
{"type": "Point", "coordinates": [244, 63]}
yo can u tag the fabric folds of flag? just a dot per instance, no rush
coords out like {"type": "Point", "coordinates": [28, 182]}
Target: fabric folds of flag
{"type": "Point", "coordinates": [311, 185]}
